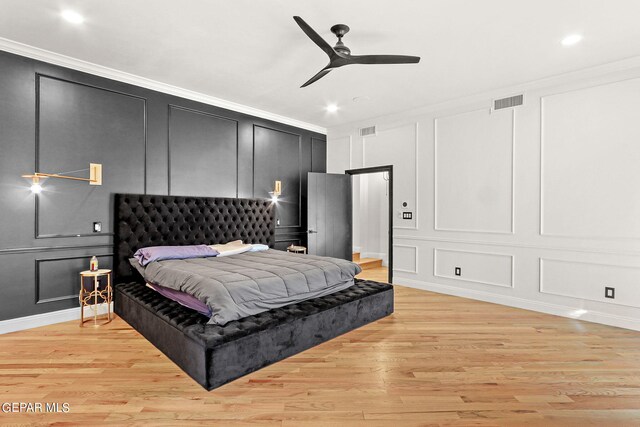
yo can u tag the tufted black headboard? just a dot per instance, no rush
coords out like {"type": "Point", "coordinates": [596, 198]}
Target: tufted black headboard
{"type": "Point", "coordinates": [145, 220]}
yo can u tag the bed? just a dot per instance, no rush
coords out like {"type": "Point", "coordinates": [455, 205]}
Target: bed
{"type": "Point", "coordinates": [215, 354]}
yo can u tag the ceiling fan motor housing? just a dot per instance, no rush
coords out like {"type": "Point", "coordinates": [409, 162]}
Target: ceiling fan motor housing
{"type": "Point", "coordinates": [340, 30]}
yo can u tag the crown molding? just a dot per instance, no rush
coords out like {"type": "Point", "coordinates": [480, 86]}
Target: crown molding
{"type": "Point", "coordinates": [484, 99]}
{"type": "Point", "coordinates": [121, 76]}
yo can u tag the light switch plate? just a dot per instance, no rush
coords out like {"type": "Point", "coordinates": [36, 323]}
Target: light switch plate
{"type": "Point", "coordinates": [609, 292]}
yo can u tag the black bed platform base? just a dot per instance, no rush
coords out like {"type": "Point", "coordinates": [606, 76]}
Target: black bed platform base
{"type": "Point", "coordinates": [215, 355]}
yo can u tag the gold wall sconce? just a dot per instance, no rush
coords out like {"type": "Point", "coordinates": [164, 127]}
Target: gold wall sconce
{"type": "Point", "coordinates": [277, 191]}
{"type": "Point", "coordinates": [95, 177]}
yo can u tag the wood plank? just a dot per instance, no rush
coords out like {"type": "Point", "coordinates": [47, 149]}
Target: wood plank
{"type": "Point", "coordinates": [438, 360]}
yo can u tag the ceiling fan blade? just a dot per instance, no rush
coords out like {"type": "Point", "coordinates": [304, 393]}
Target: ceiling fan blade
{"type": "Point", "coordinates": [318, 76]}
{"type": "Point", "coordinates": [383, 59]}
{"type": "Point", "coordinates": [315, 37]}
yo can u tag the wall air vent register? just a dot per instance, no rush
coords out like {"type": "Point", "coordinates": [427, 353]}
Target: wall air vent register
{"type": "Point", "coordinates": [368, 131]}
{"type": "Point", "coordinates": [510, 102]}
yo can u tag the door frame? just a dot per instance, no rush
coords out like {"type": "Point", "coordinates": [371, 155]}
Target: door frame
{"type": "Point", "coordinates": [376, 169]}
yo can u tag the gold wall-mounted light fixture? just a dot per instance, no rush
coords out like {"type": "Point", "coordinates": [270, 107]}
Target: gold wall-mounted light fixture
{"type": "Point", "coordinates": [277, 191]}
{"type": "Point", "coordinates": [95, 177]}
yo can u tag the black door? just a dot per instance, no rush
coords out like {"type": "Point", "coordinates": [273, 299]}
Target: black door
{"type": "Point", "coordinates": [329, 215]}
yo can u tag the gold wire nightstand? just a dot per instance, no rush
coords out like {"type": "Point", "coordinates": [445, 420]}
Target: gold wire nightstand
{"type": "Point", "coordinates": [95, 297]}
{"type": "Point", "coordinates": [297, 249]}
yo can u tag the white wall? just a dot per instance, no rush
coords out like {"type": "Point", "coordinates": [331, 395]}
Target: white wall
{"type": "Point", "coordinates": [371, 216]}
{"type": "Point", "coordinates": [538, 205]}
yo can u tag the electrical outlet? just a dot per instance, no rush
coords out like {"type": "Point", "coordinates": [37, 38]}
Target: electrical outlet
{"type": "Point", "coordinates": [278, 221]}
{"type": "Point", "coordinates": [407, 215]}
{"type": "Point", "coordinates": [458, 271]}
{"type": "Point", "coordinates": [609, 292]}
{"type": "Point", "coordinates": [97, 227]}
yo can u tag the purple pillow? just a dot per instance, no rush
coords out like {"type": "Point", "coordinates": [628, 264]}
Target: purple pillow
{"type": "Point", "coordinates": [159, 253]}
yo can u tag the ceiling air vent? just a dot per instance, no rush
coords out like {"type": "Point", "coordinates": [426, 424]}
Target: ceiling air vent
{"type": "Point", "coordinates": [368, 131]}
{"type": "Point", "coordinates": [512, 101]}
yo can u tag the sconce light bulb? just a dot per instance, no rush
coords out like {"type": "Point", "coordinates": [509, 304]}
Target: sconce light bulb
{"type": "Point", "coordinates": [274, 198]}
{"type": "Point", "coordinates": [36, 188]}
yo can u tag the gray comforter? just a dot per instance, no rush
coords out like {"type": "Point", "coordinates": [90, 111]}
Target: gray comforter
{"type": "Point", "coordinates": [241, 285]}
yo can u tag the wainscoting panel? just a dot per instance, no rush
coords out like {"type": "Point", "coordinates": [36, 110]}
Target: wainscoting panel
{"type": "Point", "coordinates": [58, 279]}
{"type": "Point", "coordinates": [29, 277]}
{"type": "Point", "coordinates": [17, 285]}
{"type": "Point", "coordinates": [78, 124]}
{"type": "Point", "coordinates": [587, 280]}
{"type": "Point", "coordinates": [203, 154]}
{"type": "Point", "coordinates": [405, 258]}
{"type": "Point", "coordinates": [277, 157]}
{"type": "Point", "coordinates": [590, 161]}
{"type": "Point", "coordinates": [478, 267]}
{"type": "Point", "coordinates": [397, 146]}
{"type": "Point", "coordinates": [474, 172]}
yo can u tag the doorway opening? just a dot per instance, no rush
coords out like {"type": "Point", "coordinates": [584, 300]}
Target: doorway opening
{"type": "Point", "coordinates": [372, 235]}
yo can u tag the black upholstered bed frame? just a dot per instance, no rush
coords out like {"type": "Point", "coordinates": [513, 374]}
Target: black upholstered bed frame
{"type": "Point", "coordinates": [146, 220]}
{"type": "Point", "coordinates": [215, 355]}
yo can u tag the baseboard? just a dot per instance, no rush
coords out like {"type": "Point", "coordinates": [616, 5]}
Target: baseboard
{"type": "Point", "coordinates": [44, 319]}
{"type": "Point", "coordinates": [526, 304]}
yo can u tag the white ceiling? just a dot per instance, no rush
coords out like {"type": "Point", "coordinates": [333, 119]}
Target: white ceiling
{"type": "Point", "coordinates": [252, 52]}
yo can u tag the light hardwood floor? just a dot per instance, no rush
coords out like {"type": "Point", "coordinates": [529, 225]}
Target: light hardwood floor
{"type": "Point", "coordinates": [438, 360]}
{"type": "Point", "coordinates": [380, 274]}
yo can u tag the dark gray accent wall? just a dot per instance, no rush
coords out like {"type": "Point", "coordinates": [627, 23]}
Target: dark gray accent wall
{"type": "Point", "coordinates": [76, 124]}
{"type": "Point", "coordinates": [57, 278]}
{"type": "Point", "coordinates": [277, 156]}
{"type": "Point", "coordinates": [318, 154]}
{"type": "Point", "coordinates": [203, 153]}
{"type": "Point", "coordinates": [54, 119]}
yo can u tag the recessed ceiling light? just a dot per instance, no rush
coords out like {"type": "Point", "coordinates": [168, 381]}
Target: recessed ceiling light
{"type": "Point", "coordinates": [571, 40]}
{"type": "Point", "coordinates": [72, 16]}
{"type": "Point", "coordinates": [332, 108]}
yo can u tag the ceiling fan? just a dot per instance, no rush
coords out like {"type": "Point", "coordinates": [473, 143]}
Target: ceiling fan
{"type": "Point", "coordinates": [340, 55]}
